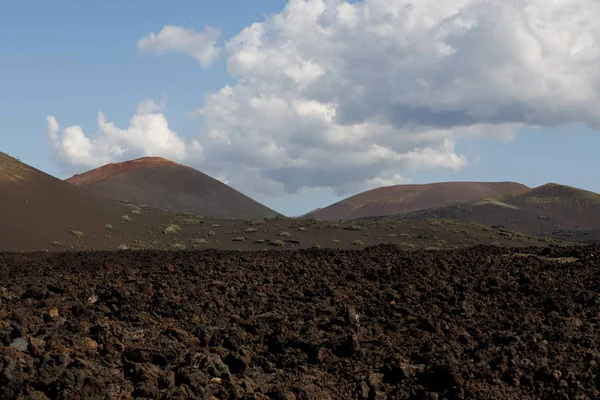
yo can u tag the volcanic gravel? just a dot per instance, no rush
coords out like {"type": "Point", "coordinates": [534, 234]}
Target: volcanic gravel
{"type": "Point", "coordinates": [381, 323]}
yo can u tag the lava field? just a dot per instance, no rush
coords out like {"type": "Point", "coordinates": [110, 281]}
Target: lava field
{"type": "Point", "coordinates": [380, 323]}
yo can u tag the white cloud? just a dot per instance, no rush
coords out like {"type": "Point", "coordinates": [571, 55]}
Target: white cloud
{"type": "Point", "coordinates": [200, 45]}
{"type": "Point", "coordinates": [148, 134]}
{"type": "Point", "coordinates": [392, 180]}
{"type": "Point", "coordinates": [339, 95]}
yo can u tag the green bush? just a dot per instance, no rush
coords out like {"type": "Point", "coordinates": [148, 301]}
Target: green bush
{"type": "Point", "coordinates": [176, 246]}
{"type": "Point", "coordinates": [172, 230]}
{"type": "Point", "coordinates": [78, 234]}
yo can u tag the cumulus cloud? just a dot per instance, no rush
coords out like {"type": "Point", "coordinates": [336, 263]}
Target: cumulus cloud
{"type": "Point", "coordinates": [200, 45]}
{"type": "Point", "coordinates": [148, 134]}
{"type": "Point", "coordinates": [346, 95]}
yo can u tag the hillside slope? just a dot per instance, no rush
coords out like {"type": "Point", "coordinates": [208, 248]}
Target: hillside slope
{"type": "Point", "coordinates": [555, 210]}
{"type": "Point", "coordinates": [37, 209]}
{"type": "Point", "coordinates": [163, 184]}
{"type": "Point", "coordinates": [402, 199]}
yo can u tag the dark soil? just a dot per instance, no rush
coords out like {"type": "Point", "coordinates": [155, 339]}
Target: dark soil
{"type": "Point", "coordinates": [478, 323]}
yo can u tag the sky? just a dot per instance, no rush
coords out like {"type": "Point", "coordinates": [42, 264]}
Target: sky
{"type": "Point", "coordinates": [301, 103]}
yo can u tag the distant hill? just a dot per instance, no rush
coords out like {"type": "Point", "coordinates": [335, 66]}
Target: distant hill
{"type": "Point", "coordinates": [163, 184]}
{"type": "Point", "coordinates": [403, 199]}
{"type": "Point", "coordinates": [37, 209]}
{"type": "Point", "coordinates": [554, 210]}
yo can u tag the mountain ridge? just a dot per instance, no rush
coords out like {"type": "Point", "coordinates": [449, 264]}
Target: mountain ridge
{"type": "Point", "coordinates": [398, 199]}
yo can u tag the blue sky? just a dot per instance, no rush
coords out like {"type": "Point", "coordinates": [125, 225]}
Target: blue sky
{"type": "Point", "coordinates": [72, 59]}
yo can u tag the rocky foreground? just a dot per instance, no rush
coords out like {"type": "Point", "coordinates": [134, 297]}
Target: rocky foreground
{"type": "Point", "coordinates": [479, 323]}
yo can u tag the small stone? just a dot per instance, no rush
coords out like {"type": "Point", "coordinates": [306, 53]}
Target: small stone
{"type": "Point", "coordinates": [20, 344]}
{"type": "Point", "coordinates": [290, 396]}
{"type": "Point", "coordinates": [216, 381]}
{"type": "Point", "coordinates": [321, 354]}
{"type": "Point", "coordinates": [92, 299]}
{"type": "Point", "coordinates": [407, 371]}
{"type": "Point", "coordinates": [103, 308]}
{"type": "Point", "coordinates": [36, 395]}
{"type": "Point", "coordinates": [53, 312]}
{"type": "Point", "coordinates": [562, 383]}
{"type": "Point", "coordinates": [91, 343]}
{"type": "Point", "coordinates": [364, 391]}
{"type": "Point", "coordinates": [5, 294]}
{"type": "Point", "coordinates": [375, 380]}
{"type": "Point", "coordinates": [556, 374]}
{"type": "Point", "coordinates": [37, 346]}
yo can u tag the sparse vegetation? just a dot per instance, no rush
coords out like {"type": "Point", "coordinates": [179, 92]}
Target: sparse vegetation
{"type": "Point", "coordinates": [284, 234]}
{"type": "Point", "coordinates": [125, 218]}
{"type": "Point", "coordinates": [191, 221]}
{"type": "Point", "coordinates": [172, 229]}
{"type": "Point", "coordinates": [353, 228]}
{"type": "Point", "coordinates": [134, 209]}
{"type": "Point", "coordinates": [108, 227]}
{"type": "Point", "coordinates": [251, 230]}
{"type": "Point", "coordinates": [358, 243]}
{"type": "Point", "coordinates": [77, 234]}
{"type": "Point", "coordinates": [56, 243]}
{"type": "Point", "coordinates": [239, 239]}
{"type": "Point", "coordinates": [190, 215]}
{"type": "Point", "coordinates": [278, 243]}
{"type": "Point", "coordinates": [197, 242]}
{"type": "Point", "coordinates": [122, 247]}
{"type": "Point", "coordinates": [176, 246]}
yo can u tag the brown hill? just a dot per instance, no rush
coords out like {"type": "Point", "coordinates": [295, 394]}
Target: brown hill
{"type": "Point", "coordinates": [403, 199]}
{"type": "Point", "coordinates": [554, 210]}
{"type": "Point", "coordinates": [163, 184]}
{"type": "Point", "coordinates": [37, 209]}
